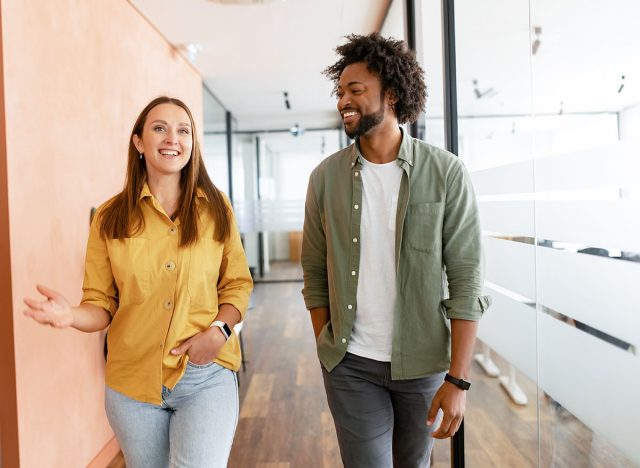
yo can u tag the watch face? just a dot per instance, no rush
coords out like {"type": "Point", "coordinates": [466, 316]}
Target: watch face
{"type": "Point", "coordinates": [460, 383]}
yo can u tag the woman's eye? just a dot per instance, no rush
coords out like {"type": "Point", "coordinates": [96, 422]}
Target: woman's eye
{"type": "Point", "coordinates": [158, 128]}
{"type": "Point", "coordinates": [184, 131]}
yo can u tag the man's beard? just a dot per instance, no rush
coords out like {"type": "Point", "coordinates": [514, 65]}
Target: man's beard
{"type": "Point", "coordinates": [366, 123]}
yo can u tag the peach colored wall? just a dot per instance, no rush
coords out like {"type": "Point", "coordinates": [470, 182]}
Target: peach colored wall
{"type": "Point", "coordinates": [8, 413]}
{"type": "Point", "coordinates": [76, 74]}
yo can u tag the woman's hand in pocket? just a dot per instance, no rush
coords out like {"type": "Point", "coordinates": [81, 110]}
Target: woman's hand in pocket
{"type": "Point", "coordinates": [203, 347]}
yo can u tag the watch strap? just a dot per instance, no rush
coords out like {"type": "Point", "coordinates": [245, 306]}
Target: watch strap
{"type": "Point", "coordinates": [460, 383]}
{"type": "Point", "coordinates": [224, 328]}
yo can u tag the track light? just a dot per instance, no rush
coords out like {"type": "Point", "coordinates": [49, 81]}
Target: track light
{"type": "Point", "coordinates": [287, 104]}
{"type": "Point", "coordinates": [536, 41]}
{"type": "Point", "coordinates": [480, 94]}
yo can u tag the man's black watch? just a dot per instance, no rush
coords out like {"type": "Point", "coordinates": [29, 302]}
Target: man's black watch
{"type": "Point", "coordinates": [460, 383]}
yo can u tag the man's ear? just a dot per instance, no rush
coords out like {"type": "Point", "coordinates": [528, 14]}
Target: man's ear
{"type": "Point", "coordinates": [137, 142]}
{"type": "Point", "coordinates": [390, 98]}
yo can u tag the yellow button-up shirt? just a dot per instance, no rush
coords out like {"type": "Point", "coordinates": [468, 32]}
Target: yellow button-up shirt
{"type": "Point", "coordinates": [159, 295]}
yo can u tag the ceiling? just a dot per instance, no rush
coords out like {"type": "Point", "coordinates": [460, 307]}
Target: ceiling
{"type": "Point", "coordinates": [251, 54]}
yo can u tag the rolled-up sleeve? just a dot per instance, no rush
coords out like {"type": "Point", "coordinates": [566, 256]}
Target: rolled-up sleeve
{"type": "Point", "coordinates": [99, 287]}
{"type": "Point", "coordinates": [234, 279]}
{"type": "Point", "coordinates": [462, 249]}
{"type": "Point", "coordinates": [314, 253]}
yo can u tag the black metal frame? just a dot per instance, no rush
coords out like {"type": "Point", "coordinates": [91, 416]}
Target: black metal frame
{"type": "Point", "coordinates": [451, 131]}
{"type": "Point", "coordinates": [229, 133]}
{"type": "Point", "coordinates": [451, 142]}
{"type": "Point", "coordinates": [259, 194]}
{"type": "Point", "coordinates": [410, 34]}
{"type": "Point", "coordinates": [450, 85]}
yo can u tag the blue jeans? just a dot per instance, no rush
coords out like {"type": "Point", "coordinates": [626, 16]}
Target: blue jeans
{"type": "Point", "coordinates": [193, 427]}
{"type": "Point", "coordinates": [380, 422]}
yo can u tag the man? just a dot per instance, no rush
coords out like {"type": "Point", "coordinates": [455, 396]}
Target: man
{"type": "Point", "coordinates": [385, 219]}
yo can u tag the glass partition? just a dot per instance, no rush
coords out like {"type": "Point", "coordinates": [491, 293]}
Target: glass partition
{"type": "Point", "coordinates": [586, 99]}
{"type": "Point", "coordinates": [284, 163]}
{"type": "Point", "coordinates": [549, 104]}
{"type": "Point", "coordinates": [214, 143]}
{"type": "Point", "coordinates": [495, 143]}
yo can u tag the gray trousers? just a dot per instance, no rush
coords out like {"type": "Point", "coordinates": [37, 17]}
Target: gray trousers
{"type": "Point", "coordinates": [380, 422]}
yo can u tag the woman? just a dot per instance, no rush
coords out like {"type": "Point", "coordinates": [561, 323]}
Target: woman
{"type": "Point", "coordinates": [165, 270]}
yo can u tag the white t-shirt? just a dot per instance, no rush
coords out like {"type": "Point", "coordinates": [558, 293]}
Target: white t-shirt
{"type": "Point", "coordinates": [373, 327]}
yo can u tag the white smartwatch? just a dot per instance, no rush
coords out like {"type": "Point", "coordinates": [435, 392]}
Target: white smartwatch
{"type": "Point", "coordinates": [224, 328]}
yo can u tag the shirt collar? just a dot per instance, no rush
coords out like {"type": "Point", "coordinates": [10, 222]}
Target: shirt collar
{"type": "Point", "coordinates": [405, 154]}
{"type": "Point", "coordinates": [146, 192]}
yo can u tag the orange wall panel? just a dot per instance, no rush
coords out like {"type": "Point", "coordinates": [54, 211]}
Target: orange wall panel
{"type": "Point", "coordinates": [76, 74]}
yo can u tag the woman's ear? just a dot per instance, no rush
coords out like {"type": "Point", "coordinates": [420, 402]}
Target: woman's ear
{"type": "Point", "coordinates": [137, 142]}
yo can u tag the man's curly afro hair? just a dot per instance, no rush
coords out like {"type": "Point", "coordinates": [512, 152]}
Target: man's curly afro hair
{"type": "Point", "coordinates": [393, 63]}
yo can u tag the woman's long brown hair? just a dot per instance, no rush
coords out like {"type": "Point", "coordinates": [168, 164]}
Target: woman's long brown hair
{"type": "Point", "coordinates": [122, 216]}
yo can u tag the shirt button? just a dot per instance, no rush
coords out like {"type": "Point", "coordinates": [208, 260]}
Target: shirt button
{"type": "Point", "coordinates": [355, 239]}
{"type": "Point", "coordinates": [172, 231]}
{"type": "Point", "coordinates": [168, 304]}
{"type": "Point", "coordinates": [344, 340]}
{"type": "Point", "coordinates": [349, 307]}
{"type": "Point", "coordinates": [353, 273]}
{"type": "Point", "coordinates": [357, 173]}
{"type": "Point", "coordinates": [170, 266]}
{"type": "Point", "coordinates": [355, 207]}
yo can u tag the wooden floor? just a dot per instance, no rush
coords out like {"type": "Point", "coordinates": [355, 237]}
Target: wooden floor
{"type": "Point", "coordinates": [285, 422]}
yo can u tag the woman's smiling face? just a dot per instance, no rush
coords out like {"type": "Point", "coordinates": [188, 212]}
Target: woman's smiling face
{"type": "Point", "coordinates": [166, 141]}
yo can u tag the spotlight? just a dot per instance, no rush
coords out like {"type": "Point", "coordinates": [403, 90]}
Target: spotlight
{"type": "Point", "coordinates": [191, 50]}
{"type": "Point", "coordinates": [296, 130]}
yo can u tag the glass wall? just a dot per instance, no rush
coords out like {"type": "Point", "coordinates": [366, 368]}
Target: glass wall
{"type": "Point", "coordinates": [549, 107]}
{"type": "Point", "coordinates": [586, 99]}
{"type": "Point", "coordinates": [214, 144]}
{"type": "Point", "coordinates": [282, 168]}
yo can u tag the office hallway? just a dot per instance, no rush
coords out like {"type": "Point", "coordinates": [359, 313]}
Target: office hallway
{"type": "Point", "coordinates": [285, 421]}
{"type": "Point", "coordinates": [284, 417]}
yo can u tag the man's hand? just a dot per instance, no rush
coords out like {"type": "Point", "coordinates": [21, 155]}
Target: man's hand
{"type": "Point", "coordinates": [203, 347]}
{"type": "Point", "coordinates": [451, 400]}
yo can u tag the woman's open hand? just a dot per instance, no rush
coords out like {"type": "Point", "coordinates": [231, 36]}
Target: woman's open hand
{"type": "Point", "coordinates": [54, 311]}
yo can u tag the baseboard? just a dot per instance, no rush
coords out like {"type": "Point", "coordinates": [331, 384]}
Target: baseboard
{"type": "Point", "coordinates": [106, 455]}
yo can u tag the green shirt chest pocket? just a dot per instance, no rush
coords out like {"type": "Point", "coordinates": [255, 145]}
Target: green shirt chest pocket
{"type": "Point", "coordinates": [423, 227]}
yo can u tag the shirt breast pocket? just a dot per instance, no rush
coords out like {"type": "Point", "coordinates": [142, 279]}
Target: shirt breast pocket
{"type": "Point", "coordinates": [131, 269]}
{"type": "Point", "coordinates": [204, 270]}
{"type": "Point", "coordinates": [423, 226]}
